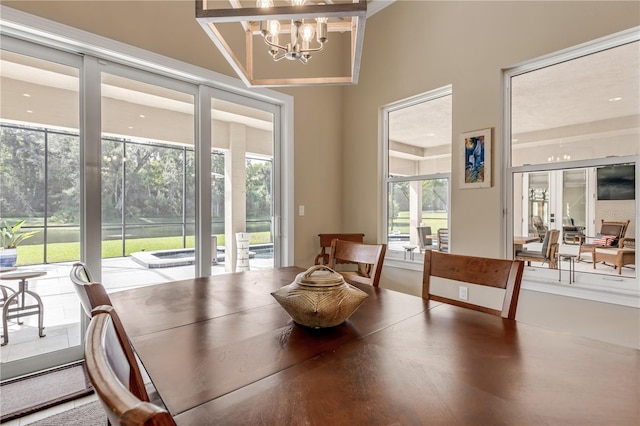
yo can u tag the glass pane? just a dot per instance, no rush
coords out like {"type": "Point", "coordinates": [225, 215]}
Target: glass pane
{"type": "Point", "coordinates": [148, 181]}
{"type": "Point", "coordinates": [539, 214]}
{"type": "Point", "coordinates": [580, 109]}
{"type": "Point", "coordinates": [417, 210]}
{"type": "Point", "coordinates": [420, 138]}
{"type": "Point", "coordinates": [586, 216]}
{"type": "Point", "coordinates": [574, 193]}
{"type": "Point", "coordinates": [39, 183]}
{"type": "Point", "coordinates": [242, 183]}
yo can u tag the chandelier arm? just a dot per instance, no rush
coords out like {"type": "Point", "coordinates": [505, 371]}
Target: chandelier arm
{"type": "Point", "coordinates": [317, 49]}
{"type": "Point", "coordinates": [273, 44]}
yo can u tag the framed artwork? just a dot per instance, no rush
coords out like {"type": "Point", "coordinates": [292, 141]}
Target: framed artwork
{"type": "Point", "coordinates": [476, 154]}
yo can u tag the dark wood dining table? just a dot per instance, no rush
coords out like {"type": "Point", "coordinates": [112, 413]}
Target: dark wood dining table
{"type": "Point", "coordinates": [221, 351]}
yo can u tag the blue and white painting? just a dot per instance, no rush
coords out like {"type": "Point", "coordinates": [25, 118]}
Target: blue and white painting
{"type": "Point", "coordinates": [474, 159]}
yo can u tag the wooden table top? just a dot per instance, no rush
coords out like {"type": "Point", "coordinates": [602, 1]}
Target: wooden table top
{"type": "Point", "coordinates": [524, 240]}
{"type": "Point", "coordinates": [220, 350]}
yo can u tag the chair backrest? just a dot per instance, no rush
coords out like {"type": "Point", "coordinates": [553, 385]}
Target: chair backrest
{"type": "Point", "coordinates": [616, 228]}
{"type": "Point", "coordinates": [369, 258]}
{"type": "Point", "coordinates": [325, 243]}
{"type": "Point", "coordinates": [538, 223]}
{"type": "Point", "coordinates": [80, 272]}
{"type": "Point", "coordinates": [91, 294]}
{"type": "Point", "coordinates": [499, 273]}
{"type": "Point", "coordinates": [424, 235]}
{"type": "Point", "coordinates": [114, 373]}
{"type": "Point", "coordinates": [443, 239]}
{"type": "Point", "coordinates": [550, 244]}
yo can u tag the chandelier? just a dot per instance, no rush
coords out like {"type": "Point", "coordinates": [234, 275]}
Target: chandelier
{"type": "Point", "coordinates": [292, 30]}
{"type": "Point", "coordinates": [300, 35]}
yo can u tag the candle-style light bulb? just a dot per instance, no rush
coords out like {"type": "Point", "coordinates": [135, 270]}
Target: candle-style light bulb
{"type": "Point", "coordinates": [264, 26]}
{"type": "Point", "coordinates": [274, 30]}
{"type": "Point", "coordinates": [321, 23]}
{"type": "Point", "coordinates": [307, 32]}
{"type": "Point", "coordinates": [274, 27]}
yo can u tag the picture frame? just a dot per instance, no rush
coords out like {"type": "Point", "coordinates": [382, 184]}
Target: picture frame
{"type": "Point", "coordinates": [475, 170]}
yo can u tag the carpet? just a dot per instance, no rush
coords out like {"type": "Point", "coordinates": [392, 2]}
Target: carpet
{"type": "Point", "coordinates": [26, 395]}
{"type": "Point", "coordinates": [90, 414]}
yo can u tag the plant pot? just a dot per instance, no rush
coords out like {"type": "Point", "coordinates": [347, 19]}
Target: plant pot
{"type": "Point", "coordinates": [8, 257]}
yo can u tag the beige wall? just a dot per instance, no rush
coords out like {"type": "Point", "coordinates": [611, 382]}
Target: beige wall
{"type": "Point", "coordinates": [433, 44]}
{"type": "Point", "coordinates": [467, 44]}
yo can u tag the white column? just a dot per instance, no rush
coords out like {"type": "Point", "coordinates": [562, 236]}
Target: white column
{"type": "Point", "coordinates": [235, 205]}
{"type": "Point", "coordinates": [415, 211]}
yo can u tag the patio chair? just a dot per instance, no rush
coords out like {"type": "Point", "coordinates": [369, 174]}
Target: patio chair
{"type": "Point", "coordinates": [610, 235]}
{"type": "Point", "coordinates": [547, 253]}
{"type": "Point", "coordinates": [540, 228]}
{"type": "Point", "coordinates": [425, 237]}
{"type": "Point", "coordinates": [624, 254]}
{"type": "Point", "coordinates": [443, 239]}
{"type": "Point", "coordinates": [571, 233]}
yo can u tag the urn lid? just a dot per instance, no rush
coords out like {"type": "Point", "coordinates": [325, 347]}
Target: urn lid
{"type": "Point", "coordinates": [319, 276]}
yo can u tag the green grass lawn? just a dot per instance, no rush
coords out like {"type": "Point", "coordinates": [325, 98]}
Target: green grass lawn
{"type": "Point", "coordinates": [435, 220]}
{"type": "Point", "coordinates": [66, 252]}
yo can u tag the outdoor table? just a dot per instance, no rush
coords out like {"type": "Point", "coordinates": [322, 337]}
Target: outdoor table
{"type": "Point", "coordinates": [21, 310]}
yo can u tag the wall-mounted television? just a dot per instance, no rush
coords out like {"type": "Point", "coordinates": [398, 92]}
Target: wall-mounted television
{"type": "Point", "coordinates": [616, 182]}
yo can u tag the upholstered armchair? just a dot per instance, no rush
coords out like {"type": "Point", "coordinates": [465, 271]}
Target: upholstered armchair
{"type": "Point", "coordinates": [610, 235]}
{"type": "Point", "coordinates": [624, 254]}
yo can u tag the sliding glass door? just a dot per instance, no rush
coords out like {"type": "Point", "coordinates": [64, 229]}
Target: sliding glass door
{"type": "Point", "coordinates": [148, 178]}
{"type": "Point", "coordinates": [40, 162]}
{"type": "Point", "coordinates": [144, 177]}
{"type": "Point", "coordinates": [242, 182]}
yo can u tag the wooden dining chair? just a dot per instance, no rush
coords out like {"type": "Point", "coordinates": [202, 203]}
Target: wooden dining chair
{"type": "Point", "coordinates": [114, 373]}
{"type": "Point", "coordinates": [498, 273]}
{"type": "Point", "coordinates": [91, 294]}
{"type": "Point", "coordinates": [322, 258]}
{"type": "Point", "coordinates": [368, 257]}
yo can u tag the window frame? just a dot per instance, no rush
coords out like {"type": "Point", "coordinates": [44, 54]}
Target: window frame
{"type": "Point", "coordinates": [397, 258]}
{"type": "Point", "coordinates": [593, 287]}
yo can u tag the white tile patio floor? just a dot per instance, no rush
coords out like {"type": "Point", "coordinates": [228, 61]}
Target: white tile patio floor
{"type": "Point", "coordinates": [62, 309]}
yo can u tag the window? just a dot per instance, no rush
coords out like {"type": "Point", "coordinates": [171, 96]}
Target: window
{"type": "Point", "coordinates": [573, 121]}
{"type": "Point", "coordinates": [417, 167]}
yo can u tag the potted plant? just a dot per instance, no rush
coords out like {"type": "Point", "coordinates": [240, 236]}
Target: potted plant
{"type": "Point", "coordinates": [11, 237]}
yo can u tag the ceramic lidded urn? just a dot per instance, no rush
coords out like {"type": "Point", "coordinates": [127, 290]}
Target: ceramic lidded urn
{"type": "Point", "coordinates": [319, 298]}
